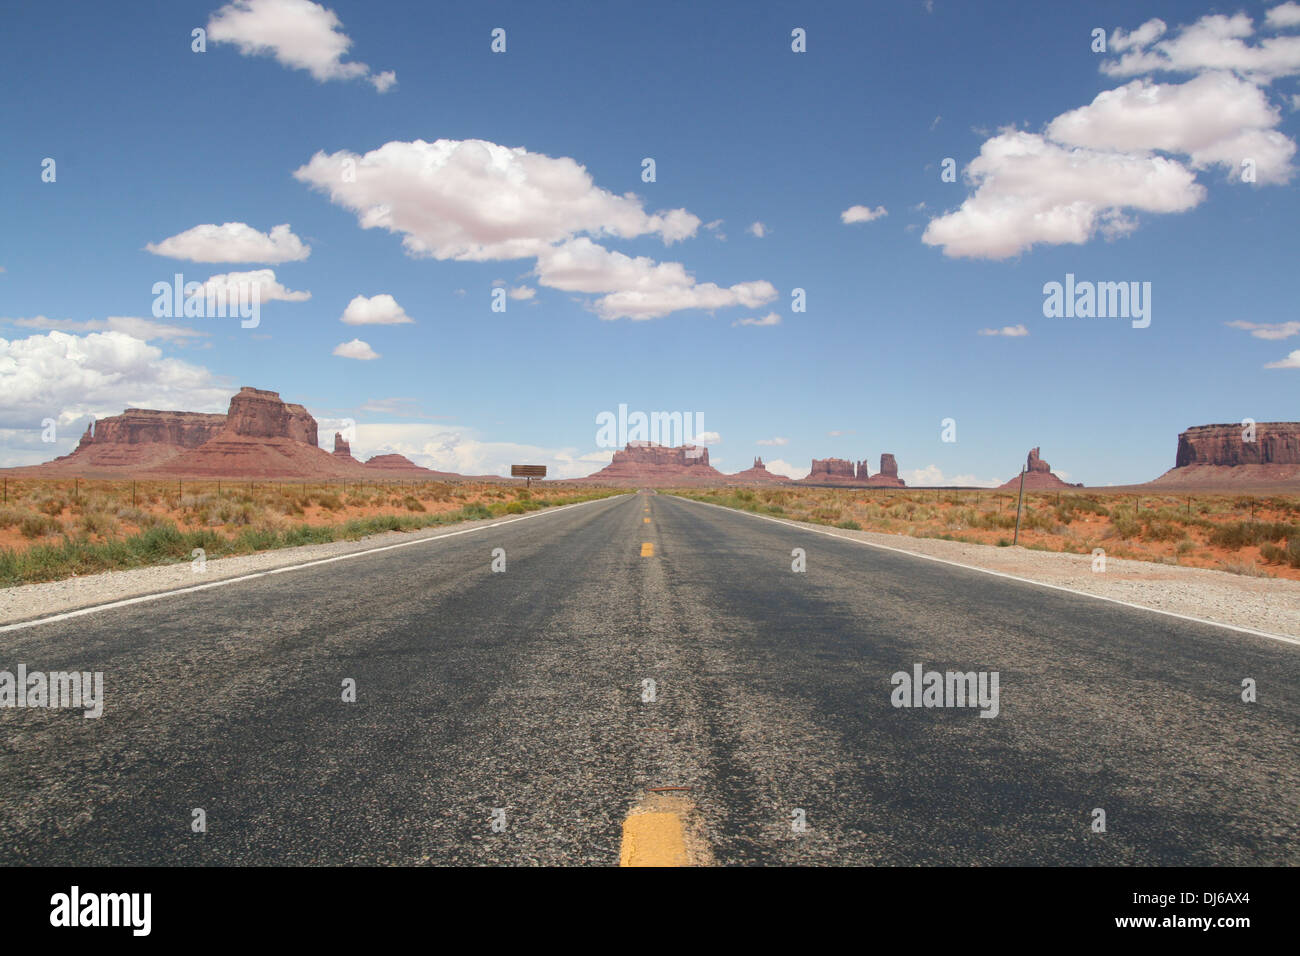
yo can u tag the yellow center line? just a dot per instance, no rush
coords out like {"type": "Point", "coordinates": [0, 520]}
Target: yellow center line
{"type": "Point", "coordinates": [663, 829]}
{"type": "Point", "coordinates": [653, 839]}
{"type": "Point", "coordinates": [646, 520]}
{"type": "Point", "coordinates": [647, 549]}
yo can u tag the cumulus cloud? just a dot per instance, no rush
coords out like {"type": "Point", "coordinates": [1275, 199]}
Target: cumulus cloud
{"type": "Point", "coordinates": [1216, 118]}
{"type": "Point", "coordinates": [379, 309]}
{"type": "Point", "coordinates": [1214, 42]}
{"type": "Point", "coordinates": [143, 329]}
{"type": "Point", "coordinates": [862, 214]}
{"type": "Point", "coordinates": [70, 377]}
{"type": "Point", "coordinates": [1291, 361]}
{"type": "Point", "coordinates": [1268, 330]}
{"type": "Point", "coordinates": [1010, 331]}
{"type": "Point", "coordinates": [773, 441]}
{"type": "Point", "coordinates": [1030, 191]}
{"type": "Point", "coordinates": [1284, 16]}
{"type": "Point", "coordinates": [232, 242]}
{"type": "Point", "coordinates": [522, 293]}
{"type": "Point", "coordinates": [300, 35]}
{"type": "Point", "coordinates": [932, 475]}
{"type": "Point", "coordinates": [757, 230]}
{"type": "Point", "coordinates": [356, 349]}
{"type": "Point", "coordinates": [778, 466]}
{"type": "Point", "coordinates": [227, 287]}
{"type": "Point", "coordinates": [478, 201]}
{"type": "Point", "coordinates": [1132, 149]}
{"type": "Point", "coordinates": [638, 287]}
{"type": "Point", "coordinates": [772, 318]}
{"type": "Point", "coordinates": [461, 450]}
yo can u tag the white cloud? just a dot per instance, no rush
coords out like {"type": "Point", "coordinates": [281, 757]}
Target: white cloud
{"type": "Point", "coordinates": [638, 288]}
{"type": "Point", "coordinates": [862, 214]}
{"type": "Point", "coordinates": [1140, 38]}
{"type": "Point", "coordinates": [268, 289]}
{"type": "Point", "coordinates": [932, 475]}
{"type": "Point", "coordinates": [1284, 16]}
{"type": "Point", "coordinates": [300, 34]}
{"type": "Point", "coordinates": [457, 449]}
{"type": "Point", "coordinates": [143, 329]}
{"type": "Point", "coordinates": [380, 309]}
{"type": "Point", "coordinates": [478, 201]}
{"type": "Point", "coordinates": [772, 318]}
{"type": "Point", "coordinates": [1291, 361]}
{"type": "Point", "coordinates": [1096, 165]}
{"type": "Point", "coordinates": [778, 466]}
{"type": "Point", "coordinates": [757, 230]}
{"type": "Point", "coordinates": [233, 242]}
{"type": "Point", "coordinates": [356, 349]}
{"type": "Point", "coordinates": [522, 293]}
{"type": "Point", "coordinates": [1030, 191]}
{"type": "Point", "coordinates": [773, 441]}
{"type": "Point", "coordinates": [1214, 42]}
{"type": "Point", "coordinates": [1011, 331]}
{"type": "Point", "coordinates": [1268, 330]}
{"type": "Point", "coordinates": [1215, 118]}
{"type": "Point", "coordinates": [707, 438]}
{"type": "Point", "coordinates": [70, 377]}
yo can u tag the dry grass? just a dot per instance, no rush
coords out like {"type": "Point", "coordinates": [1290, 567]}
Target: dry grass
{"type": "Point", "coordinates": [53, 529]}
{"type": "Point", "coordinates": [1230, 532]}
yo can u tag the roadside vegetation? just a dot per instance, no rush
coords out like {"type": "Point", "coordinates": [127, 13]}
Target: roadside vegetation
{"type": "Point", "coordinates": [55, 529]}
{"type": "Point", "coordinates": [1241, 534]}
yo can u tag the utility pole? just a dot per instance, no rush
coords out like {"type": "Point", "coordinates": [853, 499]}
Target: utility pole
{"type": "Point", "coordinates": [1019, 502]}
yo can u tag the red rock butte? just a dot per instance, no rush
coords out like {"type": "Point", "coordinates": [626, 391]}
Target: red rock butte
{"type": "Point", "coordinates": [1038, 476]}
{"type": "Point", "coordinates": [645, 464]}
{"type": "Point", "coordinates": [841, 471]}
{"type": "Point", "coordinates": [1225, 457]}
{"type": "Point", "coordinates": [260, 436]}
{"type": "Point", "coordinates": [757, 474]}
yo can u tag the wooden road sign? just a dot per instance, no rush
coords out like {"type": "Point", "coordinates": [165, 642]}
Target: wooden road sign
{"type": "Point", "coordinates": [527, 471]}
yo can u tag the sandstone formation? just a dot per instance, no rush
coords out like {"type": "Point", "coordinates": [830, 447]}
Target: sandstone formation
{"type": "Point", "coordinates": [1038, 476]}
{"type": "Point", "coordinates": [826, 471]}
{"type": "Point", "coordinates": [645, 464]}
{"type": "Point", "coordinates": [838, 471]}
{"type": "Point", "coordinates": [257, 413]}
{"type": "Point", "coordinates": [341, 448]}
{"type": "Point", "coordinates": [1222, 456]}
{"type": "Point", "coordinates": [888, 477]}
{"type": "Point", "coordinates": [757, 474]}
{"type": "Point", "coordinates": [138, 438]}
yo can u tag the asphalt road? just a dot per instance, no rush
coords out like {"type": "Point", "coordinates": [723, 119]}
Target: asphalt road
{"type": "Point", "coordinates": [522, 692]}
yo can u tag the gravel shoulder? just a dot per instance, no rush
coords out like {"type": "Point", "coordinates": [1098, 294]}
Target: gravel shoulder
{"type": "Point", "coordinates": [26, 602]}
{"type": "Point", "coordinates": [1271, 605]}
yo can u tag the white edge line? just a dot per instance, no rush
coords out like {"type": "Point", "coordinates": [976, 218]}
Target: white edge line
{"type": "Point", "coordinates": [158, 595]}
{"type": "Point", "coordinates": [1001, 574]}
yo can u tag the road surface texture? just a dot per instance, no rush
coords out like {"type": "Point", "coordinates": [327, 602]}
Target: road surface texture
{"type": "Point", "coordinates": [505, 717]}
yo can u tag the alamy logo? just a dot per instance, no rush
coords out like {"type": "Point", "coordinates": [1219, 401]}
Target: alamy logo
{"type": "Point", "coordinates": [209, 300]}
{"type": "Point", "coordinates": [658, 428]}
{"type": "Point", "coordinates": [103, 909]}
{"type": "Point", "coordinates": [1099, 300]}
{"type": "Point", "coordinates": [923, 688]}
{"type": "Point", "coordinates": [56, 689]}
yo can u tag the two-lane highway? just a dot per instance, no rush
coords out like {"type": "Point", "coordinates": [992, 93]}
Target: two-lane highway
{"type": "Point", "coordinates": [518, 716]}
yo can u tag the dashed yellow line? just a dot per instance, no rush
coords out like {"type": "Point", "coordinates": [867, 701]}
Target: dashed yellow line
{"type": "Point", "coordinates": [653, 839]}
{"type": "Point", "coordinates": [647, 549]}
{"type": "Point", "coordinates": [663, 830]}
{"type": "Point", "coordinates": [646, 520]}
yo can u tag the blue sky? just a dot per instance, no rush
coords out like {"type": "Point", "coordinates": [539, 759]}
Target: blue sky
{"type": "Point", "coordinates": [152, 140]}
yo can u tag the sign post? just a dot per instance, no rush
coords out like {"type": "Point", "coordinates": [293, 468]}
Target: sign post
{"type": "Point", "coordinates": [528, 472]}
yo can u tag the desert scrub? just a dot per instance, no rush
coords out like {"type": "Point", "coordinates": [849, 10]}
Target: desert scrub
{"type": "Point", "coordinates": [412, 503]}
{"type": "Point", "coordinates": [39, 525]}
